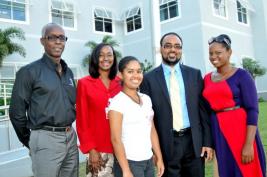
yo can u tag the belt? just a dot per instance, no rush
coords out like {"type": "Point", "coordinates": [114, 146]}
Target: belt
{"type": "Point", "coordinates": [181, 132]}
{"type": "Point", "coordinates": [56, 129]}
{"type": "Point", "coordinates": [228, 109]}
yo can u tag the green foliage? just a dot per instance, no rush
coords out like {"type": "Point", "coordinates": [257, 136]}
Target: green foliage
{"type": "Point", "coordinates": [260, 99]}
{"type": "Point", "coordinates": [92, 44]}
{"type": "Point", "coordinates": [253, 67]}
{"type": "Point", "coordinates": [146, 66]}
{"type": "Point", "coordinates": [7, 46]}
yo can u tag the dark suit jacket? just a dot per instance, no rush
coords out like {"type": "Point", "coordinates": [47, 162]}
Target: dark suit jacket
{"type": "Point", "coordinates": [154, 85]}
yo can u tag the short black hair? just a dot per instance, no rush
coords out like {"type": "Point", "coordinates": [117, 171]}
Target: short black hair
{"type": "Point", "coordinates": [168, 34]}
{"type": "Point", "coordinates": [124, 62]}
{"type": "Point", "coordinates": [94, 62]}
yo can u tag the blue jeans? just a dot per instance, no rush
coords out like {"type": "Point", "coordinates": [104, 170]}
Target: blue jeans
{"type": "Point", "coordinates": [144, 168]}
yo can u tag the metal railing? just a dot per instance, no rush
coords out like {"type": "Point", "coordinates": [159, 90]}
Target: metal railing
{"type": "Point", "coordinates": [5, 95]}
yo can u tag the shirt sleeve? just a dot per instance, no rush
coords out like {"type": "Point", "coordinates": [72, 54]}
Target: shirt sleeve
{"type": "Point", "coordinates": [115, 104]}
{"type": "Point", "coordinates": [19, 104]}
{"type": "Point", "coordinates": [85, 124]}
{"type": "Point", "coordinates": [249, 98]}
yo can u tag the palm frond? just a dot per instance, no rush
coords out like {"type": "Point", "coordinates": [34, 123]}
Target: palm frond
{"type": "Point", "coordinates": [14, 32]}
{"type": "Point", "coordinates": [91, 44]}
{"type": "Point", "coordinates": [17, 48]}
{"type": "Point", "coordinates": [3, 53]}
{"type": "Point", "coordinates": [86, 59]}
{"type": "Point", "coordinates": [7, 47]}
{"type": "Point", "coordinates": [109, 40]}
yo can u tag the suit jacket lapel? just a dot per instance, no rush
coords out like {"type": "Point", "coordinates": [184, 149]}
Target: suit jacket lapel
{"type": "Point", "coordinates": [187, 88]}
{"type": "Point", "coordinates": [162, 83]}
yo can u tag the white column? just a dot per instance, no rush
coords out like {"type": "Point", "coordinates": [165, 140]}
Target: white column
{"type": "Point", "coordinates": [156, 31]}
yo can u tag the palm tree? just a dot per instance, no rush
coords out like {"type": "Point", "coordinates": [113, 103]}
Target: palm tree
{"type": "Point", "coordinates": [253, 67]}
{"type": "Point", "coordinates": [7, 46]}
{"type": "Point", "coordinates": [107, 40]}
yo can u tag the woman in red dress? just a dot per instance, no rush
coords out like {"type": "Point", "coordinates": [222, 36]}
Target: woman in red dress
{"type": "Point", "coordinates": [232, 96]}
{"type": "Point", "coordinates": [93, 93]}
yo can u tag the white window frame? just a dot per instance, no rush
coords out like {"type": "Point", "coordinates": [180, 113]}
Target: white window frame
{"type": "Point", "coordinates": [26, 3]}
{"type": "Point", "coordinates": [106, 14]}
{"type": "Point", "coordinates": [163, 2]}
{"type": "Point", "coordinates": [218, 12]}
{"type": "Point", "coordinates": [65, 9]}
{"type": "Point", "coordinates": [131, 13]}
{"type": "Point", "coordinates": [240, 11]}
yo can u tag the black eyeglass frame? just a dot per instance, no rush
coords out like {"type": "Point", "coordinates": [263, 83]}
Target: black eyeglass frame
{"type": "Point", "coordinates": [220, 40]}
{"type": "Point", "coordinates": [54, 38]}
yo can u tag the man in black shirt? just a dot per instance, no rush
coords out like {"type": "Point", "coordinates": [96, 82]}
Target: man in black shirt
{"type": "Point", "coordinates": [42, 109]}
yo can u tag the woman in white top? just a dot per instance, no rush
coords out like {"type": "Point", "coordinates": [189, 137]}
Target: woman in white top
{"type": "Point", "coordinates": [133, 134]}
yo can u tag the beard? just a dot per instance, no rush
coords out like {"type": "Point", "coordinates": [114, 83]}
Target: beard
{"type": "Point", "coordinates": [170, 62]}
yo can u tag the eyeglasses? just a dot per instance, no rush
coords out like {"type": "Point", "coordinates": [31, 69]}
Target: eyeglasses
{"type": "Point", "coordinates": [169, 46]}
{"type": "Point", "coordinates": [220, 39]}
{"type": "Point", "coordinates": [54, 38]}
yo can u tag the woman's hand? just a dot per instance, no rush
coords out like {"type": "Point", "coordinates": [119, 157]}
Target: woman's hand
{"type": "Point", "coordinates": [160, 167]}
{"type": "Point", "coordinates": [95, 161]}
{"type": "Point", "coordinates": [247, 153]}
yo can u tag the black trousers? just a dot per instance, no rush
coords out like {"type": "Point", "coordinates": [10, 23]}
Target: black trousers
{"type": "Point", "coordinates": [184, 163]}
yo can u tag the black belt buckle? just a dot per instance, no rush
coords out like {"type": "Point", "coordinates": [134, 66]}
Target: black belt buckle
{"type": "Point", "coordinates": [182, 132]}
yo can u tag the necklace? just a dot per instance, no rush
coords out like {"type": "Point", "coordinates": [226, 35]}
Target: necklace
{"type": "Point", "coordinates": [217, 77]}
{"type": "Point", "coordinates": [136, 99]}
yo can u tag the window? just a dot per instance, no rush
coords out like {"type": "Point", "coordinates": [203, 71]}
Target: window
{"type": "Point", "coordinates": [14, 10]}
{"type": "Point", "coordinates": [168, 9]}
{"type": "Point", "coordinates": [219, 7]}
{"type": "Point", "coordinates": [63, 13]}
{"type": "Point", "coordinates": [241, 13]}
{"type": "Point", "coordinates": [133, 19]}
{"type": "Point", "coordinates": [103, 20]}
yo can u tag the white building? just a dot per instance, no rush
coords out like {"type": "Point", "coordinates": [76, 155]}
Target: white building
{"type": "Point", "coordinates": [137, 25]}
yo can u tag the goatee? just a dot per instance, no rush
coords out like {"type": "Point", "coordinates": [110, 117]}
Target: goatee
{"type": "Point", "coordinates": [170, 63]}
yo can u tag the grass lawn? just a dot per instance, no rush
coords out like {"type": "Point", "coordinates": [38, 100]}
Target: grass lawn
{"type": "Point", "coordinates": [263, 133]}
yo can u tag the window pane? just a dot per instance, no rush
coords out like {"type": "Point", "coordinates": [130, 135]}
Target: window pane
{"type": "Point", "coordinates": [68, 19]}
{"type": "Point", "coordinates": [57, 4]}
{"type": "Point", "coordinates": [5, 9]}
{"type": "Point", "coordinates": [239, 17]}
{"type": "Point", "coordinates": [138, 23]}
{"type": "Point", "coordinates": [245, 18]}
{"type": "Point", "coordinates": [173, 11]}
{"type": "Point", "coordinates": [19, 11]}
{"type": "Point", "coordinates": [130, 26]}
{"type": "Point", "coordinates": [99, 25]}
{"type": "Point", "coordinates": [108, 27]}
{"type": "Point", "coordinates": [172, 3]}
{"type": "Point", "coordinates": [57, 16]}
{"type": "Point", "coordinates": [69, 7]}
{"type": "Point", "coordinates": [163, 14]}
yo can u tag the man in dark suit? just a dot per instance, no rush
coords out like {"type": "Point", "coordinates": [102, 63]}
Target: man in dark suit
{"type": "Point", "coordinates": [181, 119]}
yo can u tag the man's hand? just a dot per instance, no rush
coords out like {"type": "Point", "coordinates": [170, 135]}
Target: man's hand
{"type": "Point", "coordinates": [207, 153]}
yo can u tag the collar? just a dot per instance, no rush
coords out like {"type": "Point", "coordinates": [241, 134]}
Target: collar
{"type": "Point", "coordinates": [167, 69]}
{"type": "Point", "coordinates": [48, 60]}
